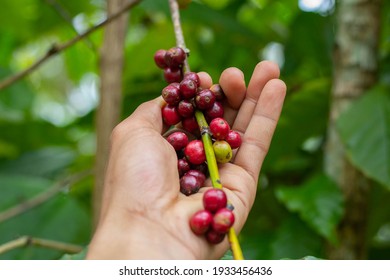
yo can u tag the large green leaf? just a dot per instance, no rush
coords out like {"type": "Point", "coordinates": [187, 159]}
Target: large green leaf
{"type": "Point", "coordinates": [295, 240]}
{"type": "Point", "coordinates": [319, 202]}
{"type": "Point", "coordinates": [365, 131]}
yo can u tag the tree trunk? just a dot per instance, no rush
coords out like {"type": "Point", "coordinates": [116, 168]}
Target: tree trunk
{"type": "Point", "coordinates": [355, 70]}
{"type": "Point", "coordinates": [109, 110]}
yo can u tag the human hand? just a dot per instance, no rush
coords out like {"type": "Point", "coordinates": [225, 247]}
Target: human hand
{"type": "Point", "coordinates": [144, 215]}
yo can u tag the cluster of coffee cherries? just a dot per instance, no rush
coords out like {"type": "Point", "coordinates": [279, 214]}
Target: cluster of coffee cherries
{"type": "Point", "coordinates": [171, 61]}
{"type": "Point", "coordinates": [183, 96]}
{"type": "Point", "coordinates": [217, 217]}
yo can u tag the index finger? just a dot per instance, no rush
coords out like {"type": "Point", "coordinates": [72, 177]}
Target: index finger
{"type": "Point", "coordinates": [257, 137]}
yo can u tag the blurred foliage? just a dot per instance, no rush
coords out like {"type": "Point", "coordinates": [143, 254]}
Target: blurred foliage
{"type": "Point", "coordinates": [47, 120]}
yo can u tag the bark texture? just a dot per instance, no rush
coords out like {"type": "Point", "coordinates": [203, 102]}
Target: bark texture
{"type": "Point", "coordinates": [355, 70]}
{"type": "Point", "coordinates": [109, 110]}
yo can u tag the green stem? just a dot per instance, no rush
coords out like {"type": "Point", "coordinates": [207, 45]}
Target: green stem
{"type": "Point", "coordinates": [204, 129]}
{"type": "Point", "coordinates": [214, 176]}
{"type": "Point", "coordinates": [208, 146]}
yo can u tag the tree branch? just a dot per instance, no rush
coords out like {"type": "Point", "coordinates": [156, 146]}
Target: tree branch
{"type": "Point", "coordinates": [111, 96]}
{"type": "Point", "coordinates": [57, 48]}
{"type": "Point", "coordinates": [180, 42]}
{"type": "Point", "coordinates": [67, 17]}
{"type": "Point", "coordinates": [45, 243]}
{"type": "Point", "coordinates": [42, 197]}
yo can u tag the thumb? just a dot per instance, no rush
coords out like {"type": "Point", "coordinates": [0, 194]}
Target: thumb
{"type": "Point", "coordinates": [147, 115]}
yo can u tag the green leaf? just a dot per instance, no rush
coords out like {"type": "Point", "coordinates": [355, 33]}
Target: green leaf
{"type": "Point", "coordinates": [44, 162]}
{"type": "Point", "coordinates": [294, 240]}
{"type": "Point", "coordinates": [365, 131]}
{"type": "Point", "coordinates": [319, 202]}
{"type": "Point", "coordinates": [220, 4]}
{"type": "Point", "coordinates": [61, 218]}
{"type": "Point", "coordinates": [304, 116]}
{"type": "Point", "coordinates": [228, 255]}
{"type": "Point", "coordinates": [18, 188]}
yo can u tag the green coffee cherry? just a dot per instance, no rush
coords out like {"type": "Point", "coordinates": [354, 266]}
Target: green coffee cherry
{"type": "Point", "coordinates": [223, 151]}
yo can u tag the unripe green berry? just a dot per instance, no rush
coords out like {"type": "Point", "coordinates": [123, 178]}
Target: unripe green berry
{"type": "Point", "coordinates": [223, 151]}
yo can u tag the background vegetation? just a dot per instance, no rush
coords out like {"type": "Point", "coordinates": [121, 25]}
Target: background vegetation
{"type": "Point", "coordinates": [48, 132]}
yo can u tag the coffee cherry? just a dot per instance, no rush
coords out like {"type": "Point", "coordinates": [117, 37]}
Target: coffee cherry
{"type": "Point", "coordinates": [178, 140]}
{"type": "Point", "coordinates": [194, 152]}
{"type": "Point", "coordinates": [234, 139]}
{"type": "Point", "coordinates": [190, 124]}
{"type": "Point", "coordinates": [170, 115]}
{"type": "Point", "coordinates": [218, 92]}
{"type": "Point", "coordinates": [202, 168]}
{"type": "Point", "coordinates": [198, 175]}
{"type": "Point", "coordinates": [171, 94]}
{"type": "Point", "coordinates": [174, 57]}
{"type": "Point", "coordinates": [200, 222]}
{"type": "Point", "coordinates": [216, 111]}
{"type": "Point", "coordinates": [159, 59]}
{"type": "Point", "coordinates": [172, 75]}
{"type": "Point", "coordinates": [223, 220]}
{"type": "Point", "coordinates": [205, 99]}
{"type": "Point", "coordinates": [183, 167]}
{"type": "Point", "coordinates": [192, 76]}
{"type": "Point", "coordinates": [214, 237]}
{"type": "Point", "coordinates": [223, 151]}
{"type": "Point", "coordinates": [214, 199]}
{"type": "Point", "coordinates": [185, 108]}
{"type": "Point", "coordinates": [189, 184]}
{"type": "Point", "coordinates": [188, 88]}
{"type": "Point", "coordinates": [219, 128]}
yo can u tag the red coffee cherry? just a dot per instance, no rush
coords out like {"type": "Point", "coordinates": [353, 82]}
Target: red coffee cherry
{"type": "Point", "coordinates": [185, 108]}
{"type": "Point", "coordinates": [200, 222]}
{"type": "Point", "coordinates": [170, 115]}
{"type": "Point", "coordinates": [214, 237]}
{"type": "Point", "coordinates": [189, 184]}
{"type": "Point", "coordinates": [178, 140]}
{"type": "Point", "coordinates": [204, 99]}
{"type": "Point", "coordinates": [214, 199]}
{"type": "Point", "coordinates": [216, 111]}
{"type": "Point", "coordinates": [172, 75]}
{"type": "Point", "coordinates": [234, 139]}
{"type": "Point", "coordinates": [194, 152]}
{"type": "Point", "coordinates": [171, 94]}
{"type": "Point", "coordinates": [201, 168]}
{"type": "Point", "coordinates": [219, 128]}
{"type": "Point", "coordinates": [198, 175]}
{"type": "Point", "coordinates": [174, 57]}
{"type": "Point", "coordinates": [192, 76]}
{"type": "Point", "coordinates": [188, 88]}
{"type": "Point", "coordinates": [183, 167]}
{"type": "Point", "coordinates": [223, 220]}
{"type": "Point", "coordinates": [159, 59]}
{"type": "Point", "coordinates": [218, 92]}
{"type": "Point", "coordinates": [190, 124]}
